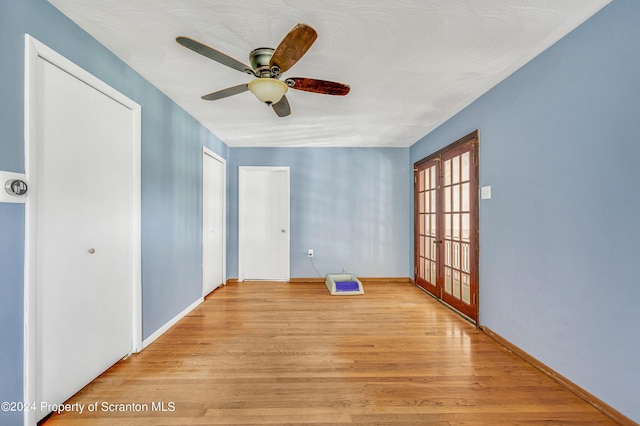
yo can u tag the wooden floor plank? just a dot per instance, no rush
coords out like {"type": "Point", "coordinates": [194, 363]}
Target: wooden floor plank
{"type": "Point", "coordinates": [279, 353]}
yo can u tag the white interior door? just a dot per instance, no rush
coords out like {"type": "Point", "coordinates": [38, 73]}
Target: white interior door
{"type": "Point", "coordinates": [213, 221]}
{"type": "Point", "coordinates": [263, 223]}
{"type": "Point", "coordinates": [84, 210]}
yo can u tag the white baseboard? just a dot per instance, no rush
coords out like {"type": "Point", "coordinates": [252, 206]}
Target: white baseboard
{"type": "Point", "coordinates": [146, 342]}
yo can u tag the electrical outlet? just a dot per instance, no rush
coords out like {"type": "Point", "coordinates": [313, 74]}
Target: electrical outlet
{"type": "Point", "coordinates": [310, 253]}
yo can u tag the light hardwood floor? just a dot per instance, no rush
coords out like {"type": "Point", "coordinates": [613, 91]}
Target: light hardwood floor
{"type": "Point", "coordinates": [275, 353]}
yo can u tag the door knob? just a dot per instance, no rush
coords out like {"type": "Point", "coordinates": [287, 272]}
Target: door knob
{"type": "Point", "coordinates": [92, 250]}
{"type": "Point", "coordinates": [283, 231]}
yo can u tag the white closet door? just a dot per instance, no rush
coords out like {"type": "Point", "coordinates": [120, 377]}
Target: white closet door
{"type": "Point", "coordinates": [264, 223]}
{"type": "Point", "coordinates": [213, 223]}
{"type": "Point", "coordinates": [84, 234]}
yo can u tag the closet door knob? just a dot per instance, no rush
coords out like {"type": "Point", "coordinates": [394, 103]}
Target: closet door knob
{"type": "Point", "coordinates": [92, 250]}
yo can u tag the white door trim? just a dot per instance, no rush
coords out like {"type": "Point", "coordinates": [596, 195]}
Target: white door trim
{"type": "Point", "coordinates": [33, 51]}
{"type": "Point", "coordinates": [242, 213]}
{"type": "Point", "coordinates": [207, 151]}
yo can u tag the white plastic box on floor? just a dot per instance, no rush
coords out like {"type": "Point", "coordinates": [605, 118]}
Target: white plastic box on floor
{"type": "Point", "coordinates": [343, 285]}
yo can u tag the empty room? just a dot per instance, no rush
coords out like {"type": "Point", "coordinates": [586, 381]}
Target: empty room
{"type": "Point", "coordinates": [319, 212]}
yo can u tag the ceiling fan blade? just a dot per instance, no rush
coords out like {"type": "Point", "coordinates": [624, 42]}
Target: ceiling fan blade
{"type": "Point", "coordinates": [225, 93]}
{"type": "Point", "coordinates": [318, 86]}
{"type": "Point", "coordinates": [282, 107]}
{"type": "Point", "coordinates": [294, 45]}
{"type": "Point", "coordinates": [211, 53]}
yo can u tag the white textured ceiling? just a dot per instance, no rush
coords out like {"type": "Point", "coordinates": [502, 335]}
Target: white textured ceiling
{"type": "Point", "coordinates": [411, 64]}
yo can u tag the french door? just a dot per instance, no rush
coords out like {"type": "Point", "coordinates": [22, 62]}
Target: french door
{"type": "Point", "coordinates": [446, 225]}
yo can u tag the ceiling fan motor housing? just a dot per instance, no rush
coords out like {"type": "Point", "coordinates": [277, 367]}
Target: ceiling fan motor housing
{"type": "Point", "coordinates": [259, 59]}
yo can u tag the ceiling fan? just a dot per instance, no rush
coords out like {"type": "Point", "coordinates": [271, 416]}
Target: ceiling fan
{"type": "Point", "coordinates": [268, 65]}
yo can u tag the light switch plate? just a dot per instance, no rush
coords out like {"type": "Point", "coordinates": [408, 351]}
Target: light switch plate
{"type": "Point", "coordinates": [485, 192]}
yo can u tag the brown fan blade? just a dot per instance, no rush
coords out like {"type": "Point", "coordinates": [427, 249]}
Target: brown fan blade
{"type": "Point", "coordinates": [294, 45]}
{"type": "Point", "coordinates": [225, 93]}
{"type": "Point", "coordinates": [282, 107]}
{"type": "Point", "coordinates": [318, 86]}
{"type": "Point", "coordinates": [211, 53]}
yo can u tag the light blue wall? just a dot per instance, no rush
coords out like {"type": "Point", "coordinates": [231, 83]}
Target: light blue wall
{"type": "Point", "coordinates": [352, 206]}
{"type": "Point", "coordinates": [171, 181]}
{"type": "Point", "coordinates": [559, 256]}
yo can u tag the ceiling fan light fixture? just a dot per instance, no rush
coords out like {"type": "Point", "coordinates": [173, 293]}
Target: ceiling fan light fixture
{"type": "Point", "coordinates": [268, 90]}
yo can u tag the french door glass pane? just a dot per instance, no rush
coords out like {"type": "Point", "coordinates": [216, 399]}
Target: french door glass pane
{"type": "Point", "coordinates": [456, 198]}
{"type": "Point", "coordinates": [466, 226]}
{"type": "Point", "coordinates": [447, 199]}
{"type": "Point", "coordinates": [456, 284]}
{"type": "Point", "coordinates": [466, 289]}
{"type": "Point", "coordinates": [465, 197]}
{"type": "Point", "coordinates": [465, 166]}
{"type": "Point", "coordinates": [455, 219]}
{"type": "Point", "coordinates": [447, 172]}
{"type": "Point", "coordinates": [455, 170]}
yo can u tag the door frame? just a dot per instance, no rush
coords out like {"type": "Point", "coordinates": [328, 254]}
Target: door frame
{"type": "Point", "coordinates": [241, 215]}
{"type": "Point", "coordinates": [210, 153]}
{"type": "Point", "coordinates": [35, 51]}
{"type": "Point", "coordinates": [473, 139]}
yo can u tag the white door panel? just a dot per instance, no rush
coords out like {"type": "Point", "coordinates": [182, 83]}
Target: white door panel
{"type": "Point", "coordinates": [264, 223]}
{"type": "Point", "coordinates": [213, 222]}
{"type": "Point", "coordinates": [84, 232]}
